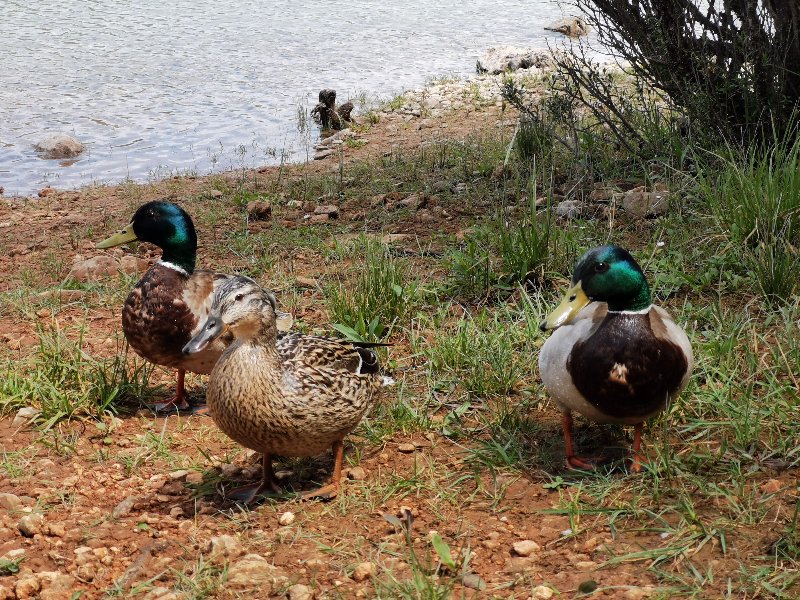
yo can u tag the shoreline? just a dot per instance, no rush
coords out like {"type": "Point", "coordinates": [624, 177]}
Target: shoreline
{"type": "Point", "coordinates": [440, 104]}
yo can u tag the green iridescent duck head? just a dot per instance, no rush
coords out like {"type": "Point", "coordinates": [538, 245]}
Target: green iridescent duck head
{"type": "Point", "coordinates": [167, 226]}
{"type": "Point", "coordinates": [604, 274]}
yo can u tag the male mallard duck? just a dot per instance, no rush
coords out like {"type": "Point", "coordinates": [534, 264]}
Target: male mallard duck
{"type": "Point", "coordinates": [168, 305]}
{"type": "Point", "coordinates": [292, 396]}
{"type": "Point", "coordinates": [618, 360]}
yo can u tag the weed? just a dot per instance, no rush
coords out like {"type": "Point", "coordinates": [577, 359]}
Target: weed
{"type": "Point", "coordinates": [378, 300]}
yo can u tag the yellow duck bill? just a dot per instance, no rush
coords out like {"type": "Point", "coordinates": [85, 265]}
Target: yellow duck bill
{"type": "Point", "coordinates": [570, 306]}
{"type": "Point", "coordinates": [121, 237]}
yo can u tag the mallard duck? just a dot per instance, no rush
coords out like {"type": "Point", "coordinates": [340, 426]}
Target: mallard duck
{"type": "Point", "coordinates": [170, 302]}
{"type": "Point", "coordinates": [295, 395]}
{"type": "Point", "coordinates": [614, 357]}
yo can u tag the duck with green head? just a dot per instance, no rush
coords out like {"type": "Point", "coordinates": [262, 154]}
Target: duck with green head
{"type": "Point", "coordinates": [172, 300]}
{"type": "Point", "coordinates": [614, 356]}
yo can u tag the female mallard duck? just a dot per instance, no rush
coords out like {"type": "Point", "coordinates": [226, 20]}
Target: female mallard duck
{"type": "Point", "coordinates": [168, 305]}
{"type": "Point", "coordinates": [293, 396]}
{"type": "Point", "coordinates": [619, 359]}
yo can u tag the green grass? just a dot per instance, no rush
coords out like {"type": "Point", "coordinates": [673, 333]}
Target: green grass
{"type": "Point", "coordinates": [379, 300]}
{"type": "Point", "coordinates": [63, 380]}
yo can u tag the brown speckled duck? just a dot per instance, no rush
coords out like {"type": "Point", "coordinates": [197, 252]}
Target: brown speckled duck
{"type": "Point", "coordinates": [614, 357]}
{"type": "Point", "coordinates": [293, 396]}
{"type": "Point", "coordinates": [168, 305]}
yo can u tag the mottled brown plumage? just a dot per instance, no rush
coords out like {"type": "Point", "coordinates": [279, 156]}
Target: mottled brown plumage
{"type": "Point", "coordinates": [293, 396]}
{"type": "Point", "coordinates": [169, 303]}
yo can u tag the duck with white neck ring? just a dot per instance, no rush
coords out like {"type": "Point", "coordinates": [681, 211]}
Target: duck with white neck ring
{"type": "Point", "coordinates": [172, 299]}
{"type": "Point", "coordinates": [296, 395]}
{"type": "Point", "coordinates": [614, 356]}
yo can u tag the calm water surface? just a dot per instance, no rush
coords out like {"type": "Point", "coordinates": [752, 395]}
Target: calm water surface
{"type": "Point", "coordinates": [201, 85]}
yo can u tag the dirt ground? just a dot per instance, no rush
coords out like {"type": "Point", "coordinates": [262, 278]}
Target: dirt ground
{"type": "Point", "coordinates": [130, 507]}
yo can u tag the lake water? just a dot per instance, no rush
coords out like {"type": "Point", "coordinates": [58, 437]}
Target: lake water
{"type": "Point", "coordinates": [153, 87]}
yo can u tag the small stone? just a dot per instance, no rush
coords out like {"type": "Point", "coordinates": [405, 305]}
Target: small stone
{"type": "Point", "coordinates": [363, 571]}
{"type": "Point", "coordinates": [55, 530]}
{"type": "Point", "coordinates": [214, 194]}
{"type": "Point", "coordinates": [327, 209]}
{"type": "Point", "coordinates": [175, 512]}
{"type": "Point", "coordinates": [473, 581]}
{"type": "Point", "coordinates": [541, 592]}
{"type": "Point", "coordinates": [253, 571]}
{"type": "Point", "coordinates": [324, 154]}
{"type": "Point", "coordinates": [569, 209]}
{"type": "Point", "coordinates": [641, 203]}
{"type": "Point", "coordinates": [179, 475]}
{"type": "Point", "coordinates": [123, 508]}
{"type": "Point", "coordinates": [319, 218]}
{"type": "Point", "coordinates": [406, 448]}
{"type": "Point", "coordinates": [225, 546]}
{"type": "Point", "coordinates": [93, 269]}
{"type": "Point", "coordinates": [259, 211]}
{"type": "Point", "coordinates": [133, 265]}
{"type": "Point", "coordinates": [294, 204]}
{"type": "Point", "coordinates": [6, 593]}
{"type": "Point", "coordinates": [194, 478]}
{"type": "Point", "coordinates": [286, 518]}
{"type": "Point", "coordinates": [357, 474]}
{"type": "Point", "coordinates": [27, 587]}
{"type": "Point", "coordinates": [31, 524]}
{"type": "Point", "coordinates": [299, 592]}
{"type": "Point", "coordinates": [771, 486]}
{"type": "Point", "coordinates": [525, 547]}
{"type": "Point", "coordinates": [10, 501]}
{"type": "Point", "coordinates": [305, 282]}
{"type": "Point", "coordinates": [25, 415]}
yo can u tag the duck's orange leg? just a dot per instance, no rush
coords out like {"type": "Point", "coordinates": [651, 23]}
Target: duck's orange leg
{"type": "Point", "coordinates": [331, 490]}
{"type": "Point", "coordinates": [573, 462]}
{"type": "Point", "coordinates": [637, 460]}
{"type": "Point", "coordinates": [178, 402]}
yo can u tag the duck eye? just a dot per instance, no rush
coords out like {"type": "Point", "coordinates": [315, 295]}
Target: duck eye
{"type": "Point", "coordinates": [239, 297]}
{"type": "Point", "coordinates": [601, 267]}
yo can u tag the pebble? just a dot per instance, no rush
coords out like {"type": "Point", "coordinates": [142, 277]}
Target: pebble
{"type": "Point", "coordinates": [473, 581]}
{"type": "Point", "coordinates": [771, 486]}
{"type": "Point", "coordinates": [123, 508]}
{"type": "Point", "coordinates": [406, 448]}
{"type": "Point", "coordinates": [178, 475]}
{"type": "Point", "coordinates": [299, 592]}
{"type": "Point", "coordinates": [305, 282]}
{"type": "Point", "coordinates": [541, 592]}
{"type": "Point", "coordinates": [6, 593]}
{"type": "Point", "coordinates": [259, 211]}
{"type": "Point", "coordinates": [25, 415]}
{"type": "Point", "coordinates": [31, 524]}
{"type": "Point", "coordinates": [27, 587]}
{"type": "Point", "coordinates": [225, 546]}
{"type": "Point", "coordinates": [364, 571]}
{"type": "Point", "coordinates": [286, 518]}
{"type": "Point", "coordinates": [525, 547]}
{"type": "Point", "coordinates": [10, 501]}
{"type": "Point", "coordinates": [253, 571]}
{"type": "Point", "coordinates": [357, 474]}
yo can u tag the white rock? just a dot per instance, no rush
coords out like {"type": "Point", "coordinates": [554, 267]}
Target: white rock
{"type": "Point", "coordinates": [31, 524]}
{"type": "Point", "coordinates": [500, 59]}
{"type": "Point", "coordinates": [541, 592]}
{"type": "Point", "coordinates": [225, 546]}
{"type": "Point", "coordinates": [286, 518]}
{"type": "Point", "coordinates": [525, 547]}
{"type": "Point", "coordinates": [300, 592]}
{"type": "Point", "coordinates": [364, 570]}
{"type": "Point", "coordinates": [59, 145]}
{"type": "Point", "coordinates": [253, 571]}
{"type": "Point", "coordinates": [10, 501]}
{"type": "Point", "coordinates": [25, 415]}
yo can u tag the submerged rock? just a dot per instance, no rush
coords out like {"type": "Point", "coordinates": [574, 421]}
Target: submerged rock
{"type": "Point", "coordinates": [59, 145]}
